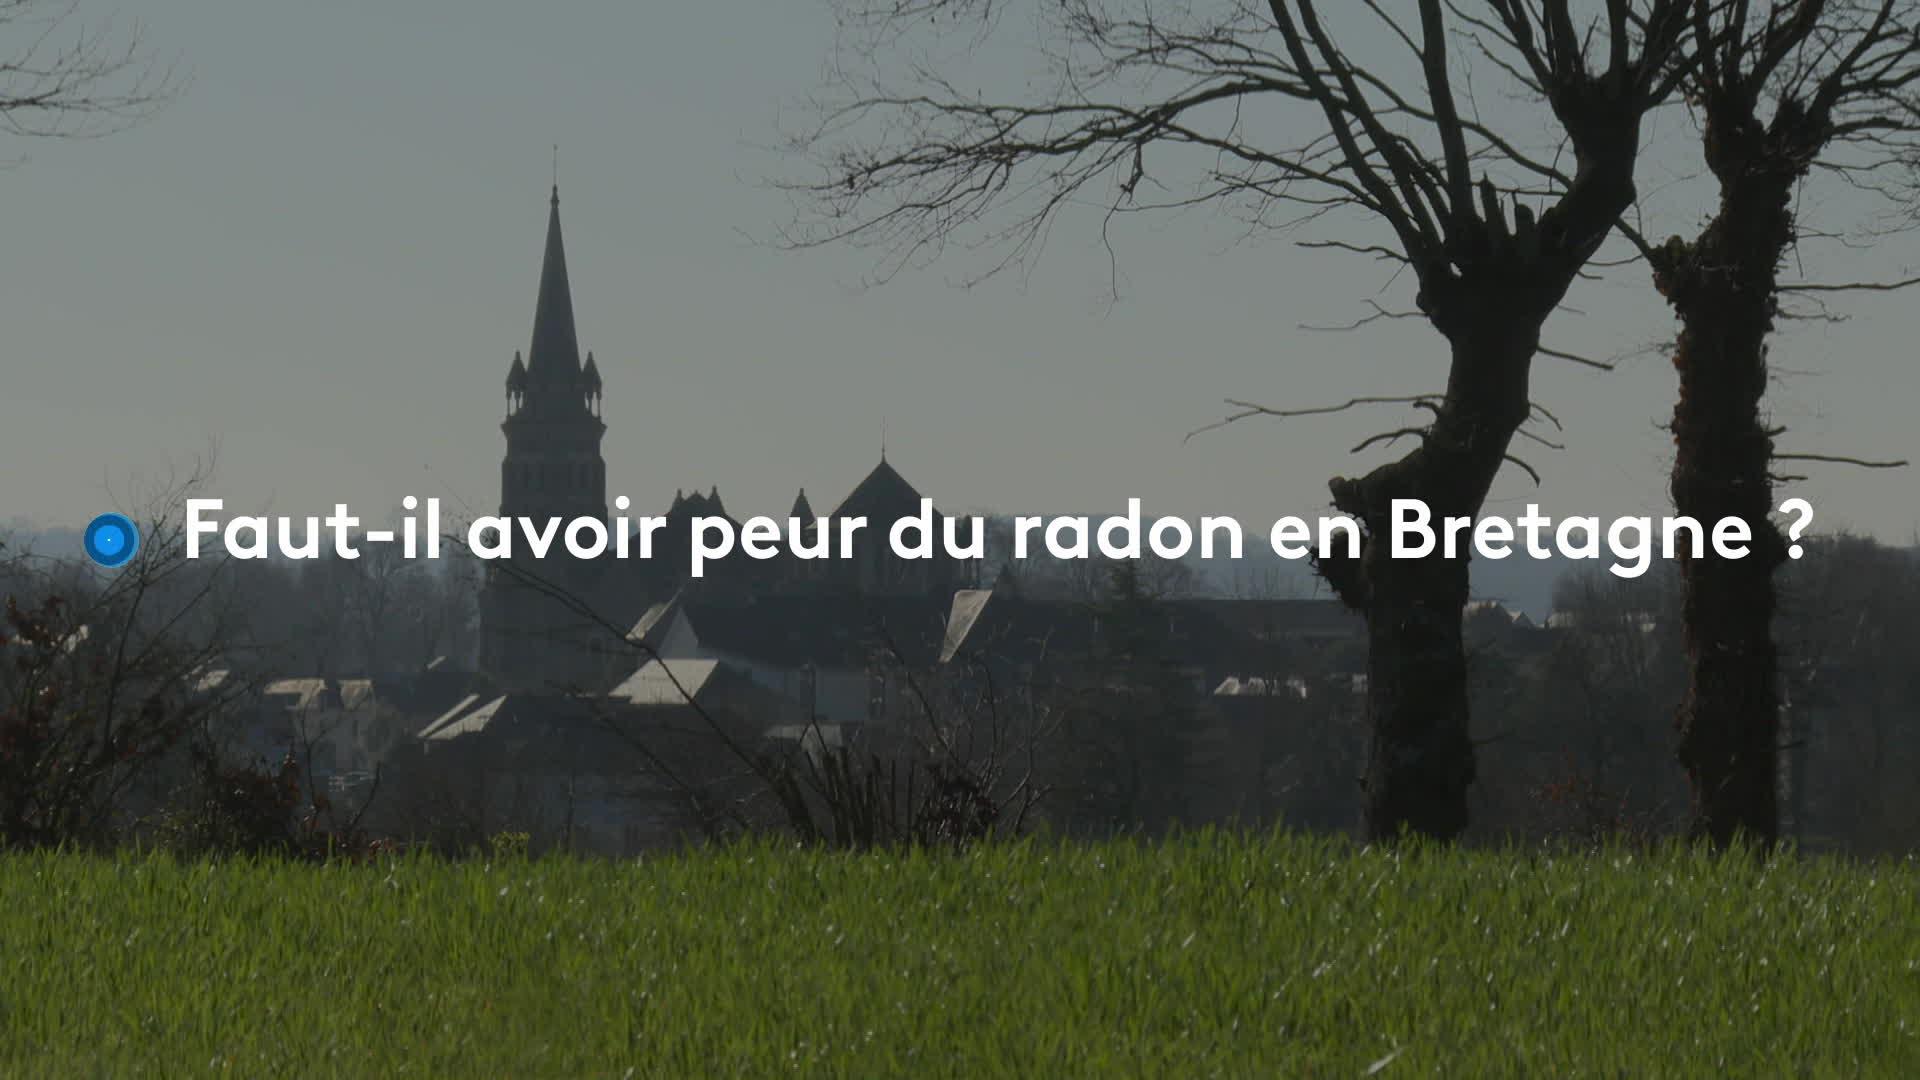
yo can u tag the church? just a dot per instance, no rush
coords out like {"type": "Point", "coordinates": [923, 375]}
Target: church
{"type": "Point", "coordinates": [590, 670]}
{"type": "Point", "coordinates": [562, 623]}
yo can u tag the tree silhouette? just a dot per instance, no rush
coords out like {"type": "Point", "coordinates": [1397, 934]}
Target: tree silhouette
{"type": "Point", "coordinates": [62, 76]}
{"type": "Point", "coordinates": [1277, 117]}
{"type": "Point", "coordinates": [1779, 93]}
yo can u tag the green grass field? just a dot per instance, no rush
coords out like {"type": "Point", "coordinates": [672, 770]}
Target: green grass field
{"type": "Point", "coordinates": [1210, 955]}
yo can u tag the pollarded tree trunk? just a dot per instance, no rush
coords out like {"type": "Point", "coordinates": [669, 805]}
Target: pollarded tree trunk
{"type": "Point", "coordinates": [1421, 761]}
{"type": "Point", "coordinates": [1723, 288]}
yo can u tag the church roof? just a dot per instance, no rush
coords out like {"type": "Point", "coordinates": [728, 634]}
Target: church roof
{"type": "Point", "coordinates": [883, 496]}
{"type": "Point", "coordinates": [555, 352]}
{"type": "Point", "coordinates": [697, 505]}
{"type": "Point", "coordinates": [802, 509]}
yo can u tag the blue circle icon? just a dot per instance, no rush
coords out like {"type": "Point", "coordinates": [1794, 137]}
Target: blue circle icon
{"type": "Point", "coordinates": [111, 540]}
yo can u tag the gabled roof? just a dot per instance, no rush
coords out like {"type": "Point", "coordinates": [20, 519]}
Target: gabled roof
{"type": "Point", "coordinates": [967, 606]}
{"type": "Point", "coordinates": [653, 625]}
{"type": "Point", "coordinates": [1003, 624]}
{"type": "Point", "coordinates": [526, 714]}
{"type": "Point", "coordinates": [430, 692]}
{"type": "Point", "coordinates": [667, 682]}
{"type": "Point", "coordinates": [302, 694]}
{"type": "Point", "coordinates": [883, 496]}
{"type": "Point", "coordinates": [469, 716]}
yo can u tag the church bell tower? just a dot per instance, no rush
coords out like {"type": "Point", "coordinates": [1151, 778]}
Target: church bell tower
{"type": "Point", "coordinates": [552, 469]}
{"type": "Point", "coordinates": [553, 466]}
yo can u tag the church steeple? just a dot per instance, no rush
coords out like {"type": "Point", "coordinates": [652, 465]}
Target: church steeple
{"type": "Point", "coordinates": [552, 469]}
{"type": "Point", "coordinates": [553, 464]}
{"type": "Point", "coordinates": [553, 359]}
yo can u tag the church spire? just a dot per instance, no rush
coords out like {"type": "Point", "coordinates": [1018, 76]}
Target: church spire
{"type": "Point", "coordinates": [554, 355]}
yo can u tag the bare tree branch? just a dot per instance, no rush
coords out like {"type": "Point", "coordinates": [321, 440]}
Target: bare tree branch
{"type": "Point", "coordinates": [1841, 459]}
{"type": "Point", "coordinates": [61, 76]}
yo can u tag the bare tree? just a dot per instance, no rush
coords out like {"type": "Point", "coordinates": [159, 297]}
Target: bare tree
{"type": "Point", "coordinates": [102, 681]}
{"type": "Point", "coordinates": [1849, 614]}
{"type": "Point", "coordinates": [1596, 721]}
{"type": "Point", "coordinates": [1780, 90]}
{"type": "Point", "coordinates": [65, 76]}
{"type": "Point", "coordinates": [1279, 119]}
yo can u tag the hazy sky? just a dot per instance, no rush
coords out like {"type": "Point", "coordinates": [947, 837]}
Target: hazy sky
{"type": "Point", "coordinates": [324, 255]}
